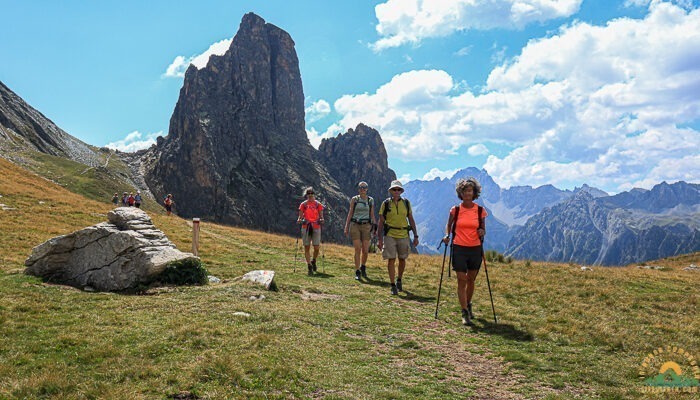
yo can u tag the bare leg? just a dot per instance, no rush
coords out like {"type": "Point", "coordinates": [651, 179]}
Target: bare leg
{"type": "Point", "coordinates": [357, 244]}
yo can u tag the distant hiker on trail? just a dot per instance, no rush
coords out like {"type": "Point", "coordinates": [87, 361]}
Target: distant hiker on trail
{"type": "Point", "coordinates": [168, 203]}
{"type": "Point", "coordinates": [393, 233]}
{"type": "Point", "coordinates": [125, 199]}
{"type": "Point", "coordinates": [130, 199]}
{"type": "Point", "coordinates": [115, 199]}
{"type": "Point", "coordinates": [311, 218]}
{"type": "Point", "coordinates": [137, 199]}
{"type": "Point", "coordinates": [467, 235]}
{"type": "Point", "coordinates": [359, 224]}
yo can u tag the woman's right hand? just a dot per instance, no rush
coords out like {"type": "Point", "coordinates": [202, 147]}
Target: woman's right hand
{"type": "Point", "coordinates": [345, 231]}
{"type": "Point", "coordinates": [446, 239]}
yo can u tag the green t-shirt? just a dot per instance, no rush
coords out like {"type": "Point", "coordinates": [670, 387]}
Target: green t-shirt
{"type": "Point", "coordinates": [396, 217]}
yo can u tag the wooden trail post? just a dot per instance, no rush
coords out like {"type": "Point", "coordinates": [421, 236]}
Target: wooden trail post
{"type": "Point", "coordinates": [195, 236]}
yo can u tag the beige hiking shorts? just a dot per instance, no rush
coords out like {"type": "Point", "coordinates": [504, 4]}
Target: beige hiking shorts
{"type": "Point", "coordinates": [360, 231]}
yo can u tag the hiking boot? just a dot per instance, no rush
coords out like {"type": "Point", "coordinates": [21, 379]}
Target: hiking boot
{"type": "Point", "coordinates": [311, 269]}
{"type": "Point", "coordinates": [394, 290]}
{"type": "Point", "coordinates": [363, 270]}
{"type": "Point", "coordinates": [469, 308]}
{"type": "Point", "coordinates": [465, 317]}
{"type": "Point", "coordinates": [313, 264]}
{"type": "Point", "coordinates": [357, 274]}
{"type": "Point", "coordinates": [399, 287]}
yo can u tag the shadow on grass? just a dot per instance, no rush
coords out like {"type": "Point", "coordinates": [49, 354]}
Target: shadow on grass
{"type": "Point", "coordinates": [370, 281]}
{"type": "Point", "coordinates": [506, 331]}
{"type": "Point", "coordinates": [323, 275]}
{"type": "Point", "coordinates": [414, 297]}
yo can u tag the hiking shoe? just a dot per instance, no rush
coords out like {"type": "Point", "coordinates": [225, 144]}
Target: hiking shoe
{"type": "Point", "coordinates": [399, 286]}
{"type": "Point", "coordinates": [357, 274]}
{"type": "Point", "coordinates": [394, 290]}
{"type": "Point", "coordinates": [363, 270]}
{"type": "Point", "coordinates": [469, 309]}
{"type": "Point", "coordinates": [313, 264]}
{"type": "Point", "coordinates": [311, 269]}
{"type": "Point", "coordinates": [465, 317]}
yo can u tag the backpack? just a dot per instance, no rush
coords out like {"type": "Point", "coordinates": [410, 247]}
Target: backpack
{"type": "Point", "coordinates": [356, 199]}
{"type": "Point", "coordinates": [167, 201]}
{"type": "Point", "coordinates": [387, 203]}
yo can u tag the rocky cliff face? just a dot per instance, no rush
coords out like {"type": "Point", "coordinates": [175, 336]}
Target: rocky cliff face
{"type": "Point", "coordinates": [23, 127]}
{"type": "Point", "coordinates": [237, 150]}
{"type": "Point", "coordinates": [629, 227]}
{"type": "Point", "coordinates": [358, 155]}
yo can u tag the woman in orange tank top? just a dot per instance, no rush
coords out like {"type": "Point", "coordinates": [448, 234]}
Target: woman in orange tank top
{"type": "Point", "coordinates": [467, 250]}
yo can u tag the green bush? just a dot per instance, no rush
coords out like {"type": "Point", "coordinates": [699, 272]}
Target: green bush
{"type": "Point", "coordinates": [184, 272]}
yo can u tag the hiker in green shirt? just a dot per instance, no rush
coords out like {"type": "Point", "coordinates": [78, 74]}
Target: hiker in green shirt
{"type": "Point", "coordinates": [395, 220]}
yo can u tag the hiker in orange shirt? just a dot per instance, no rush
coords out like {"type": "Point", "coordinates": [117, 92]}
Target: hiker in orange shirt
{"type": "Point", "coordinates": [311, 218]}
{"type": "Point", "coordinates": [468, 227]}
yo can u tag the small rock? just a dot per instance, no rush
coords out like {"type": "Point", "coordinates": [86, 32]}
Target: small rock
{"type": "Point", "coordinates": [213, 279]}
{"type": "Point", "coordinates": [586, 268]}
{"type": "Point", "coordinates": [649, 267]}
{"type": "Point", "coordinates": [89, 289]}
{"type": "Point", "coordinates": [256, 298]}
{"type": "Point", "coordinates": [42, 202]}
{"type": "Point", "coordinates": [241, 314]}
{"type": "Point", "coordinates": [264, 278]}
{"type": "Point", "coordinates": [691, 267]}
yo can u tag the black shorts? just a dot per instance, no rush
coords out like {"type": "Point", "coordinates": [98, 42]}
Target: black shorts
{"type": "Point", "coordinates": [466, 258]}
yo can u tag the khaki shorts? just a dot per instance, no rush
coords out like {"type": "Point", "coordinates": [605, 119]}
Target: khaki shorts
{"type": "Point", "coordinates": [315, 237]}
{"type": "Point", "coordinates": [360, 232]}
{"type": "Point", "coordinates": [394, 247]}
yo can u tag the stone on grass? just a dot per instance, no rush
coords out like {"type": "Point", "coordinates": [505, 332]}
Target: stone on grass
{"type": "Point", "coordinates": [241, 314]}
{"type": "Point", "coordinates": [691, 267]}
{"type": "Point", "coordinates": [213, 279]}
{"type": "Point", "coordinates": [124, 253]}
{"type": "Point", "coordinates": [262, 277]}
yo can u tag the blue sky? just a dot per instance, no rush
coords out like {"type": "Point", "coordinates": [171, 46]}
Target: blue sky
{"type": "Point", "coordinates": [536, 91]}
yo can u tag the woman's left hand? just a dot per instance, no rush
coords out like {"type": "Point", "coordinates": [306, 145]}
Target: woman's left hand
{"type": "Point", "coordinates": [481, 232]}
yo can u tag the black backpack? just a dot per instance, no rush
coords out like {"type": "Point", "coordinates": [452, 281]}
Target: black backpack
{"type": "Point", "coordinates": [387, 204]}
{"type": "Point", "coordinates": [454, 223]}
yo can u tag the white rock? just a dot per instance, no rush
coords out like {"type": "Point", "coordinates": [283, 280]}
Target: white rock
{"type": "Point", "coordinates": [586, 269]}
{"type": "Point", "coordinates": [213, 279]}
{"type": "Point", "coordinates": [256, 298]}
{"type": "Point", "coordinates": [261, 277]}
{"type": "Point", "coordinates": [106, 256]}
{"type": "Point", "coordinates": [241, 314]}
{"type": "Point", "coordinates": [691, 267]}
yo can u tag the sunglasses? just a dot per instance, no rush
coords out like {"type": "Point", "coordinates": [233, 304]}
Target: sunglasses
{"type": "Point", "coordinates": [362, 187]}
{"type": "Point", "coordinates": [396, 190]}
{"type": "Point", "coordinates": [310, 193]}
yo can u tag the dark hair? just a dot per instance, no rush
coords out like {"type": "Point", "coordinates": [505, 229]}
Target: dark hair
{"type": "Point", "coordinates": [462, 184]}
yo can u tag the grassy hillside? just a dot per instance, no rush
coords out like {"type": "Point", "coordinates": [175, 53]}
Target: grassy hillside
{"type": "Point", "coordinates": [562, 333]}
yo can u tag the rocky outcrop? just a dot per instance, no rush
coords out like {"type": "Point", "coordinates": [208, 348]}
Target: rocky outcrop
{"type": "Point", "coordinates": [630, 227]}
{"type": "Point", "coordinates": [121, 254]}
{"type": "Point", "coordinates": [358, 155]}
{"type": "Point", "coordinates": [237, 150]}
{"type": "Point", "coordinates": [23, 127]}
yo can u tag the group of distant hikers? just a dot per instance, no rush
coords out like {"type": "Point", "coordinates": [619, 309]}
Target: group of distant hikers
{"type": "Point", "coordinates": [464, 232]}
{"type": "Point", "coordinates": [135, 200]}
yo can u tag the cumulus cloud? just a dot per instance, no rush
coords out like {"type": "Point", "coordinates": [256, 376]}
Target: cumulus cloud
{"type": "Point", "coordinates": [605, 105]}
{"type": "Point", "coordinates": [410, 21]}
{"type": "Point", "coordinates": [135, 141]}
{"type": "Point", "coordinates": [317, 110]}
{"type": "Point", "coordinates": [177, 68]}
{"type": "Point", "coordinates": [437, 173]}
{"type": "Point", "coordinates": [315, 137]}
{"type": "Point", "coordinates": [477, 150]}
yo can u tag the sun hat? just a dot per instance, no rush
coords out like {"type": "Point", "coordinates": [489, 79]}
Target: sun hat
{"type": "Point", "coordinates": [396, 185]}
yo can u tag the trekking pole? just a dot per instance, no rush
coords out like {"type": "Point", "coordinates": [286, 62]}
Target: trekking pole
{"type": "Point", "coordinates": [296, 252]}
{"type": "Point", "coordinates": [495, 321]}
{"type": "Point", "coordinates": [442, 272]}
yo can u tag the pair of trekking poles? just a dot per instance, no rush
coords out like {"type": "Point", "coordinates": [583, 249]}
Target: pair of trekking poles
{"type": "Point", "coordinates": [442, 273]}
{"type": "Point", "coordinates": [323, 253]}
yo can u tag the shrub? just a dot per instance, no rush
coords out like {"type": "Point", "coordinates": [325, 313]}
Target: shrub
{"type": "Point", "coordinates": [185, 272]}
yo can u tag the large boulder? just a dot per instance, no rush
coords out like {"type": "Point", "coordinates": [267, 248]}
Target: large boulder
{"type": "Point", "coordinates": [121, 254]}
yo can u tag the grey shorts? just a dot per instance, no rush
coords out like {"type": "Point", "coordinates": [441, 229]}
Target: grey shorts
{"type": "Point", "coordinates": [396, 247]}
{"type": "Point", "coordinates": [315, 236]}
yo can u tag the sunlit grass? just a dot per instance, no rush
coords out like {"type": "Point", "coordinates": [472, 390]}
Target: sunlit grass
{"type": "Point", "coordinates": [562, 332]}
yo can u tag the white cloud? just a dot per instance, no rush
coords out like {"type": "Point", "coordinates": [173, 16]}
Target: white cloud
{"type": "Point", "coordinates": [316, 111]}
{"type": "Point", "coordinates": [315, 137]}
{"type": "Point", "coordinates": [404, 179]}
{"type": "Point", "coordinates": [603, 105]}
{"type": "Point", "coordinates": [464, 51]}
{"type": "Point", "coordinates": [477, 150]}
{"type": "Point", "coordinates": [177, 68]}
{"type": "Point", "coordinates": [410, 21]}
{"type": "Point", "coordinates": [437, 173]}
{"type": "Point", "coordinates": [135, 141]}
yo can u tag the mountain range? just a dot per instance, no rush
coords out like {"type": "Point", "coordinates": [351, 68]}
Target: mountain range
{"type": "Point", "coordinates": [585, 225]}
